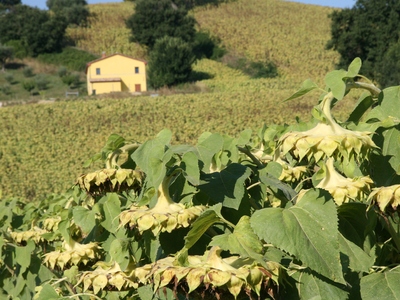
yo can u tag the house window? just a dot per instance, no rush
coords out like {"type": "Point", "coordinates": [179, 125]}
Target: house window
{"type": "Point", "coordinates": [136, 70]}
{"type": "Point", "coordinates": [97, 71]}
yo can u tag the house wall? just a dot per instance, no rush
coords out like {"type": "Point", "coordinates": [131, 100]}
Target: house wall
{"type": "Point", "coordinates": [116, 66]}
{"type": "Point", "coordinates": [106, 87]}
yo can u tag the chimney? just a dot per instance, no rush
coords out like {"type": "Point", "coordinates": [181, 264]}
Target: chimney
{"type": "Point", "coordinates": [103, 54]}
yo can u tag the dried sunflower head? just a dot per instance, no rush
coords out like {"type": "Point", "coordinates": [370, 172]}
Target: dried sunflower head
{"type": "Point", "coordinates": [107, 275]}
{"type": "Point", "coordinates": [344, 189]}
{"type": "Point", "coordinates": [73, 253]}
{"type": "Point", "coordinates": [110, 180]}
{"type": "Point", "coordinates": [222, 276]}
{"type": "Point", "coordinates": [35, 234]}
{"type": "Point", "coordinates": [327, 139]}
{"type": "Point", "coordinates": [387, 198]}
{"type": "Point", "coordinates": [166, 215]}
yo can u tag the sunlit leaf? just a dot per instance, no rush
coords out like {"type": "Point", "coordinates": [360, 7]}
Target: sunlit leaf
{"type": "Point", "coordinates": [307, 230]}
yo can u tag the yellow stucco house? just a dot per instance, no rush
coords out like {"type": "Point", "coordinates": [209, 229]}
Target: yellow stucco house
{"type": "Point", "coordinates": [116, 73]}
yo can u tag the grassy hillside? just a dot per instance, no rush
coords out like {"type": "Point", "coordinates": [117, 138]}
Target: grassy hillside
{"type": "Point", "coordinates": [44, 146]}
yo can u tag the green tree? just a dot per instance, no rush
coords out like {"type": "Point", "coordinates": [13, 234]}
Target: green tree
{"type": "Point", "coordinates": [170, 62]}
{"type": "Point", "coordinates": [366, 30]}
{"type": "Point", "coordinates": [37, 31]}
{"type": "Point", "coordinates": [154, 19]}
{"type": "Point", "coordinates": [74, 11]}
{"type": "Point", "coordinates": [6, 53]}
{"type": "Point", "coordinates": [8, 3]}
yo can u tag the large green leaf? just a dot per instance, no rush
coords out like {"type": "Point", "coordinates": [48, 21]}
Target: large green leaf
{"type": "Point", "coordinates": [382, 286]}
{"type": "Point", "coordinates": [227, 186]}
{"type": "Point", "coordinates": [307, 230]}
{"type": "Point", "coordinates": [84, 218]}
{"type": "Point", "coordinates": [152, 156]}
{"type": "Point", "coordinates": [312, 286]}
{"type": "Point", "coordinates": [111, 211]}
{"type": "Point", "coordinates": [242, 240]}
{"type": "Point", "coordinates": [119, 252]}
{"type": "Point", "coordinates": [207, 146]}
{"type": "Point", "coordinates": [190, 166]}
{"type": "Point", "coordinates": [334, 81]}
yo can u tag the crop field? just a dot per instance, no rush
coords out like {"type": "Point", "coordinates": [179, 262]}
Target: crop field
{"type": "Point", "coordinates": [44, 146]}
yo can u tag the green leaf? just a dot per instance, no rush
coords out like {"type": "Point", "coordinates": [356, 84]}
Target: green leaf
{"type": "Point", "coordinates": [190, 166]}
{"type": "Point", "coordinates": [334, 81]}
{"type": "Point", "coordinates": [307, 86]}
{"type": "Point", "coordinates": [72, 274]}
{"type": "Point", "coordinates": [207, 146]}
{"type": "Point", "coordinates": [307, 230]}
{"type": "Point", "coordinates": [119, 251]}
{"type": "Point", "coordinates": [382, 286]}
{"type": "Point", "coordinates": [84, 218]}
{"type": "Point", "coordinates": [357, 224]}
{"type": "Point", "coordinates": [362, 106]}
{"type": "Point", "coordinates": [354, 67]}
{"type": "Point", "coordinates": [23, 254]}
{"type": "Point", "coordinates": [47, 293]}
{"type": "Point", "coordinates": [242, 240]}
{"type": "Point", "coordinates": [244, 137]}
{"type": "Point", "coordinates": [152, 156]}
{"type": "Point", "coordinates": [227, 186]}
{"type": "Point", "coordinates": [111, 210]}
{"type": "Point", "coordinates": [275, 184]}
{"type": "Point", "coordinates": [202, 223]}
{"type": "Point", "coordinates": [353, 256]}
{"type": "Point", "coordinates": [312, 286]}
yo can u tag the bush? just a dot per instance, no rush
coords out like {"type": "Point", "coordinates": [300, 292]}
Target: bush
{"type": "Point", "coordinates": [72, 80]}
{"type": "Point", "coordinates": [41, 82]}
{"type": "Point", "coordinates": [28, 72]}
{"type": "Point", "coordinates": [20, 50]}
{"type": "Point", "coordinates": [255, 69]}
{"type": "Point", "coordinates": [206, 46]}
{"type": "Point", "coordinates": [170, 62]}
{"type": "Point", "coordinates": [6, 89]}
{"type": "Point", "coordinates": [9, 77]}
{"type": "Point", "coordinates": [28, 85]}
{"type": "Point", "coordinates": [62, 71]}
{"type": "Point", "coordinates": [70, 58]}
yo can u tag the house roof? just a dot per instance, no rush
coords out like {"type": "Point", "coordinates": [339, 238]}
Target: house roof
{"type": "Point", "coordinates": [108, 56]}
{"type": "Point", "coordinates": [114, 79]}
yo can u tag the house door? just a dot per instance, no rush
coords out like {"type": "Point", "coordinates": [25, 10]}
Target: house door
{"type": "Point", "coordinates": [138, 88]}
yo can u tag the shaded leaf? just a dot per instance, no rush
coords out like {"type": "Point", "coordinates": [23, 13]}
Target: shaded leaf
{"type": "Point", "coordinates": [353, 256]}
{"type": "Point", "coordinates": [227, 186]}
{"type": "Point", "coordinates": [190, 166]}
{"type": "Point", "coordinates": [311, 286]}
{"type": "Point", "coordinates": [202, 223]}
{"type": "Point", "coordinates": [242, 240]}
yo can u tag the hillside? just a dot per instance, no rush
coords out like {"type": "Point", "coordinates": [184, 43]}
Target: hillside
{"type": "Point", "coordinates": [44, 146]}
